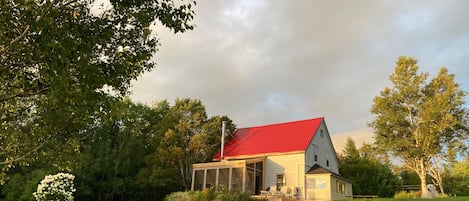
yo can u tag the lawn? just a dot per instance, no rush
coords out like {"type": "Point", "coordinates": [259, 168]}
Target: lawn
{"type": "Point", "coordinates": [417, 199]}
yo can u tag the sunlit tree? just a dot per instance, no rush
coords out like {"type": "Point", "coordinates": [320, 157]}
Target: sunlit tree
{"type": "Point", "coordinates": [62, 63]}
{"type": "Point", "coordinates": [417, 118]}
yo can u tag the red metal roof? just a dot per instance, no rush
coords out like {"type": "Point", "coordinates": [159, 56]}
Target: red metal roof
{"type": "Point", "coordinates": [269, 139]}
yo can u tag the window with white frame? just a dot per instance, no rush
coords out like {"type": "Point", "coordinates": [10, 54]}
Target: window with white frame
{"type": "Point", "coordinates": [340, 187]}
{"type": "Point", "coordinates": [280, 180]}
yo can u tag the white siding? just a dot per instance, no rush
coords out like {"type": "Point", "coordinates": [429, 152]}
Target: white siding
{"type": "Point", "coordinates": [292, 165]}
{"type": "Point", "coordinates": [323, 148]}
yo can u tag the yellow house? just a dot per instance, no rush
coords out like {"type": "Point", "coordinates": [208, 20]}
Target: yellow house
{"type": "Point", "coordinates": [295, 159]}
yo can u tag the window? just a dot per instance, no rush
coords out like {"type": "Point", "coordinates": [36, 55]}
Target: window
{"type": "Point", "coordinates": [340, 187]}
{"type": "Point", "coordinates": [280, 181]}
{"type": "Point", "coordinates": [315, 157]}
{"type": "Point", "coordinates": [321, 133]}
{"type": "Point", "coordinates": [327, 163]}
{"type": "Point", "coordinates": [319, 183]}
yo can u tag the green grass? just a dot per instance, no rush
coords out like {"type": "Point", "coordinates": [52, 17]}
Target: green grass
{"type": "Point", "coordinates": [417, 199]}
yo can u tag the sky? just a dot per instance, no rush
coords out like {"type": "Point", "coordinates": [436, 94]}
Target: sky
{"type": "Point", "coordinates": [264, 62]}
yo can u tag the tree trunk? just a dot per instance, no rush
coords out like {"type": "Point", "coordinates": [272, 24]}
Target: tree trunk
{"type": "Point", "coordinates": [436, 172]}
{"type": "Point", "coordinates": [442, 189]}
{"type": "Point", "coordinates": [423, 184]}
{"type": "Point", "coordinates": [423, 177]}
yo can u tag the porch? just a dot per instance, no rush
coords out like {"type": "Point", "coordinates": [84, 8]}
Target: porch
{"type": "Point", "coordinates": [275, 198]}
{"type": "Point", "coordinates": [238, 175]}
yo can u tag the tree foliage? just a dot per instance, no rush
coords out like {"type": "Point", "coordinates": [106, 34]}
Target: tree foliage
{"type": "Point", "coordinates": [121, 156]}
{"type": "Point", "coordinates": [417, 118]}
{"type": "Point", "coordinates": [457, 179]}
{"type": "Point", "coordinates": [350, 152]}
{"type": "Point", "coordinates": [62, 63]}
{"type": "Point", "coordinates": [23, 181]}
{"type": "Point", "coordinates": [112, 154]}
{"type": "Point", "coordinates": [368, 175]}
{"type": "Point", "coordinates": [191, 137]}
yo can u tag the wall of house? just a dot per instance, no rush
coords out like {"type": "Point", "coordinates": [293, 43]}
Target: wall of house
{"type": "Point", "coordinates": [337, 194]}
{"type": "Point", "coordinates": [321, 146]}
{"type": "Point", "coordinates": [318, 187]}
{"type": "Point", "coordinates": [291, 165]}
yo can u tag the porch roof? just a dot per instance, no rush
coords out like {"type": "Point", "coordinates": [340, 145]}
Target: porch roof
{"type": "Point", "coordinates": [317, 169]}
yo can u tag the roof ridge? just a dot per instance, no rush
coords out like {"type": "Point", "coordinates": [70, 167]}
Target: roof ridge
{"type": "Point", "coordinates": [282, 123]}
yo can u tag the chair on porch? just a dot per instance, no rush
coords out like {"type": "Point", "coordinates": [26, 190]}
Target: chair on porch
{"type": "Point", "coordinates": [273, 190]}
{"type": "Point", "coordinates": [287, 192]}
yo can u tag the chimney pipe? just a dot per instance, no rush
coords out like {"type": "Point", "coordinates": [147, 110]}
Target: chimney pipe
{"type": "Point", "coordinates": [222, 154]}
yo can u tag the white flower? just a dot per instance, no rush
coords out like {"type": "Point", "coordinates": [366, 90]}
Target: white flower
{"type": "Point", "coordinates": [56, 187]}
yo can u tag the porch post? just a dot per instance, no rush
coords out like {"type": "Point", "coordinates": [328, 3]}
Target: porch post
{"type": "Point", "coordinates": [243, 187]}
{"type": "Point", "coordinates": [193, 177]}
{"type": "Point", "coordinates": [216, 177]}
{"type": "Point", "coordinates": [205, 179]}
{"type": "Point", "coordinates": [229, 178]}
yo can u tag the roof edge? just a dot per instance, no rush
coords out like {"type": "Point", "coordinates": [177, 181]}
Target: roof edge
{"type": "Point", "coordinates": [245, 157]}
{"type": "Point", "coordinates": [288, 122]}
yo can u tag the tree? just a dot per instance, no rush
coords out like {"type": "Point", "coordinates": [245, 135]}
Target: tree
{"type": "Point", "coordinates": [350, 151]}
{"type": "Point", "coordinates": [190, 138]}
{"type": "Point", "coordinates": [416, 119]}
{"type": "Point", "coordinates": [61, 64]}
{"type": "Point", "coordinates": [457, 180]}
{"type": "Point", "coordinates": [112, 155]}
{"type": "Point", "coordinates": [22, 182]}
{"type": "Point", "coordinates": [368, 175]}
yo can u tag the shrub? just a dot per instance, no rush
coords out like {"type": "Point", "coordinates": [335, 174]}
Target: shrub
{"type": "Point", "coordinates": [210, 194]}
{"type": "Point", "coordinates": [409, 194]}
{"type": "Point", "coordinates": [57, 187]}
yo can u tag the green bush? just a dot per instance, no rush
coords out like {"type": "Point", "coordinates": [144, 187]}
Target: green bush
{"type": "Point", "coordinates": [410, 194]}
{"type": "Point", "coordinates": [210, 194]}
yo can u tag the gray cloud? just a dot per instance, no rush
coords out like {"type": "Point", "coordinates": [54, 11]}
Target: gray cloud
{"type": "Point", "coordinates": [263, 62]}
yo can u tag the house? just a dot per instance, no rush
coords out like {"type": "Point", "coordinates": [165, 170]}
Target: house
{"type": "Point", "coordinates": [296, 154]}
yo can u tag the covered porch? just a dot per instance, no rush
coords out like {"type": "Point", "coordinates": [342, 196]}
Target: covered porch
{"type": "Point", "coordinates": [238, 175]}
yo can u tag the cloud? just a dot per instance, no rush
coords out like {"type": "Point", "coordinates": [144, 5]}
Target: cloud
{"type": "Point", "coordinates": [262, 62]}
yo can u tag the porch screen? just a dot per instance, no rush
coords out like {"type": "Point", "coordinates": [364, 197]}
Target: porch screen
{"type": "Point", "coordinates": [237, 179]}
{"type": "Point", "coordinates": [224, 177]}
{"type": "Point", "coordinates": [211, 178]}
{"type": "Point", "coordinates": [199, 180]}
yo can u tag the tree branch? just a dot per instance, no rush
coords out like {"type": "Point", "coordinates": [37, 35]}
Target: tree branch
{"type": "Point", "coordinates": [25, 94]}
{"type": "Point", "coordinates": [26, 154]}
{"type": "Point", "coordinates": [23, 157]}
{"type": "Point", "coordinates": [66, 4]}
{"type": "Point", "coordinates": [28, 27]}
{"type": "Point", "coordinates": [23, 34]}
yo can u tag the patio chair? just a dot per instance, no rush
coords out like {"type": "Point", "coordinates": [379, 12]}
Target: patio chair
{"type": "Point", "coordinates": [287, 192]}
{"type": "Point", "coordinates": [273, 190]}
{"type": "Point", "coordinates": [265, 192]}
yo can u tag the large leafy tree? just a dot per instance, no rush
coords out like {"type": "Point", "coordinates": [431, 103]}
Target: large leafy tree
{"type": "Point", "coordinates": [418, 119]}
{"type": "Point", "coordinates": [190, 137]}
{"type": "Point", "coordinates": [113, 153]}
{"type": "Point", "coordinates": [62, 64]}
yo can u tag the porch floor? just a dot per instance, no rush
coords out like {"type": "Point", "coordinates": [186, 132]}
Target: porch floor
{"type": "Point", "coordinates": [276, 198]}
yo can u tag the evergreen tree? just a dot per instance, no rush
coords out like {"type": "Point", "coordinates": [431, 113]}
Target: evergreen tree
{"type": "Point", "coordinates": [368, 175]}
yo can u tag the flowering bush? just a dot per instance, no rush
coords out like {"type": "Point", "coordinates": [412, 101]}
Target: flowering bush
{"type": "Point", "coordinates": [58, 187]}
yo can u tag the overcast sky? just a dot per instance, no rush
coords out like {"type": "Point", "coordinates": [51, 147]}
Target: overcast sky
{"type": "Point", "coordinates": [264, 62]}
